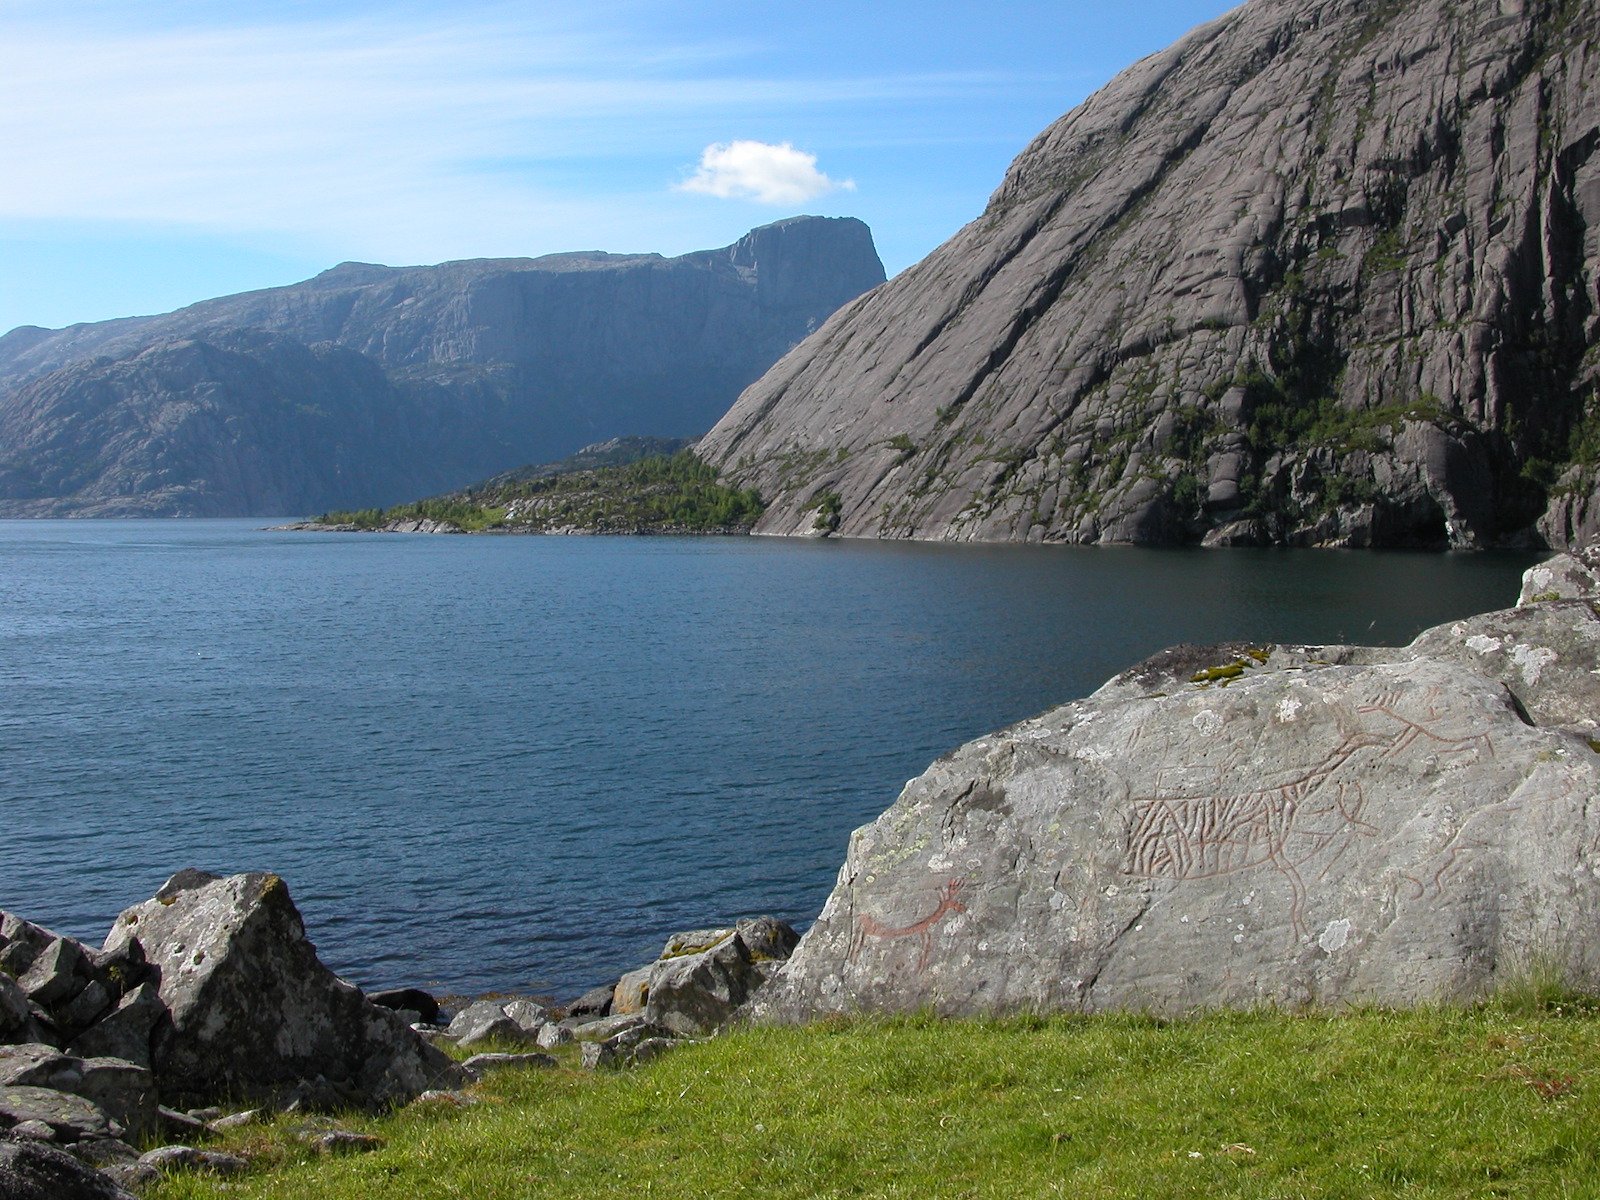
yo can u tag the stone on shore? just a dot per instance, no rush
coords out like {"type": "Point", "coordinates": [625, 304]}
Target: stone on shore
{"type": "Point", "coordinates": [704, 978]}
{"type": "Point", "coordinates": [596, 1002]}
{"type": "Point", "coordinates": [410, 999]}
{"type": "Point", "coordinates": [252, 1013]}
{"type": "Point", "coordinates": [70, 1118]}
{"type": "Point", "coordinates": [124, 1091]}
{"type": "Point", "coordinates": [1282, 825]}
{"type": "Point", "coordinates": [631, 992]}
{"type": "Point", "coordinates": [488, 1021]}
{"type": "Point", "coordinates": [64, 986]}
{"type": "Point", "coordinates": [30, 1170]}
{"type": "Point", "coordinates": [529, 1016]}
{"type": "Point", "coordinates": [553, 1035]}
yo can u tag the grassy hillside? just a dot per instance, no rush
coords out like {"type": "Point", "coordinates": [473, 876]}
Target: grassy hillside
{"type": "Point", "coordinates": [662, 493]}
{"type": "Point", "coordinates": [1493, 1101]}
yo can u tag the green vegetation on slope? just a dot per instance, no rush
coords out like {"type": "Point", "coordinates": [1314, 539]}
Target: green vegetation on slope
{"type": "Point", "coordinates": [676, 493]}
{"type": "Point", "coordinates": [1492, 1101]}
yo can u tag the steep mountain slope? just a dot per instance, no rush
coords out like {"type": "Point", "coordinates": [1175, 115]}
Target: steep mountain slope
{"type": "Point", "coordinates": [1323, 272]}
{"type": "Point", "coordinates": [368, 384]}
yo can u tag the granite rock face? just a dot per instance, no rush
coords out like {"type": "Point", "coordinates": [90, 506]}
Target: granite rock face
{"type": "Point", "coordinates": [371, 385]}
{"type": "Point", "coordinates": [253, 1013]}
{"type": "Point", "coordinates": [1244, 825]}
{"type": "Point", "coordinates": [1322, 273]}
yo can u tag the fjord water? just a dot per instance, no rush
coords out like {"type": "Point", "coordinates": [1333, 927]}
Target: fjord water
{"type": "Point", "coordinates": [519, 763]}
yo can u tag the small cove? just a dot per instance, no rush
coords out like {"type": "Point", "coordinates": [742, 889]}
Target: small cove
{"type": "Point", "coordinates": [519, 763]}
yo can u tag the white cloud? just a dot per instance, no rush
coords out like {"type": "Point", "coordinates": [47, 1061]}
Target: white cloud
{"type": "Point", "coordinates": [508, 128]}
{"type": "Point", "coordinates": [746, 170]}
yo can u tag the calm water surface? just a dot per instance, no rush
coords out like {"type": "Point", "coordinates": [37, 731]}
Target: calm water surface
{"type": "Point", "coordinates": [520, 763]}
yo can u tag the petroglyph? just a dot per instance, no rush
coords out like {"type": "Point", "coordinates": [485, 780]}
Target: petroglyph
{"type": "Point", "coordinates": [1412, 730]}
{"type": "Point", "coordinates": [1193, 827]}
{"type": "Point", "coordinates": [867, 926]}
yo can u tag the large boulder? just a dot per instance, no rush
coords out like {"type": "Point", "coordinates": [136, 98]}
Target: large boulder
{"type": "Point", "coordinates": [1312, 825]}
{"type": "Point", "coordinates": [252, 1012]}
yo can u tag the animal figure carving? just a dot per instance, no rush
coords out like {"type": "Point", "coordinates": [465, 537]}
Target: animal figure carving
{"type": "Point", "coordinates": [870, 927]}
{"type": "Point", "coordinates": [1284, 826]}
{"type": "Point", "coordinates": [1411, 731]}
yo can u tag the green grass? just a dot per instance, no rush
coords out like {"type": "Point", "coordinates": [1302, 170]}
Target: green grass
{"type": "Point", "coordinates": [1491, 1101]}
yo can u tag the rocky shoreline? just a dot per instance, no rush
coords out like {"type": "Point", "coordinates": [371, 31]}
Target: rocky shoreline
{"type": "Point", "coordinates": [207, 1007]}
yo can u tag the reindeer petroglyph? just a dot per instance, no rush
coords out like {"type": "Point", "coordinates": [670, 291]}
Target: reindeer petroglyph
{"type": "Point", "coordinates": [870, 927]}
{"type": "Point", "coordinates": [1284, 825]}
{"type": "Point", "coordinates": [1411, 731]}
{"type": "Point", "coordinates": [1204, 832]}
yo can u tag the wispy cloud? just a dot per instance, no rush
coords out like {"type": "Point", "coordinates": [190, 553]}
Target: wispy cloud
{"type": "Point", "coordinates": [382, 137]}
{"type": "Point", "coordinates": [767, 174]}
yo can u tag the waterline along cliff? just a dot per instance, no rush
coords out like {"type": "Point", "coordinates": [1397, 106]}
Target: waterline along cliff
{"type": "Point", "coordinates": [1322, 273]}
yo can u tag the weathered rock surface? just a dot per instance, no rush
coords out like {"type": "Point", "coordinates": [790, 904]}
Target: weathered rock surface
{"type": "Point", "coordinates": [70, 1118]}
{"type": "Point", "coordinates": [415, 1000]}
{"type": "Point", "coordinates": [702, 979]}
{"type": "Point", "coordinates": [1322, 273]}
{"type": "Point", "coordinates": [169, 1159]}
{"type": "Point", "coordinates": [251, 1010]}
{"type": "Point", "coordinates": [485, 1021]}
{"type": "Point", "coordinates": [125, 1032]}
{"type": "Point", "coordinates": [553, 1035]}
{"type": "Point", "coordinates": [631, 992]}
{"type": "Point", "coordinates": [596, 1002]}
{"type": "Point", "coordinates": [124, 1091]}
{"type": "Point", "coordinates": [31, 1171]}
{"type": "Point", "coordinates": [370, 385]}
{"type": "Point", "coordinates": [1288, 825]}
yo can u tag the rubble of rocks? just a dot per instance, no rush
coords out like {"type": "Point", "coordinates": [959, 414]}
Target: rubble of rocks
{"type": "Point", "coordinates": [210, 992]}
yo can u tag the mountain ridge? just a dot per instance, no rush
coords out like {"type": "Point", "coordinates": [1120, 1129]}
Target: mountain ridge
{"type": "Point", "coordinates": [480, 365]}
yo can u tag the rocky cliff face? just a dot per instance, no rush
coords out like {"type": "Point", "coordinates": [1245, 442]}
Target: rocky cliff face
{"type": "Point", "coordinates": [1324, 272]}
{"type": "Point", "coordinates": [369, 385]}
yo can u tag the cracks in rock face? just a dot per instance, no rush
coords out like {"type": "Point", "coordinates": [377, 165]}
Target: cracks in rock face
{"type": "Point", "coordinates": [983, 279]}
{"type": "Point", "coordinates": [1046, 295]}
{"type": "Point", "coordinates": [1108, 949]}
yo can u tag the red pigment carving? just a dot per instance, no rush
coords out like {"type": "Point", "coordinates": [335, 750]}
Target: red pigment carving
{"type": "Point", "coordinates": [1201, 837]}
{"type": "Point", "coordinates": [870, 927]}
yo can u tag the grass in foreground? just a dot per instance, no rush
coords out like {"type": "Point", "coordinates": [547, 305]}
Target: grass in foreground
{"type": "Point", "coordinates": [1495, 1101]}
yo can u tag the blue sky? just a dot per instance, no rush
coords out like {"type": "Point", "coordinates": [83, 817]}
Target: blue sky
{"type": "Point", "coordinates": [162, 152]}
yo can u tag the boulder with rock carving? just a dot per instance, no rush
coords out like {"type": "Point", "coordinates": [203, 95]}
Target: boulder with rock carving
{"type": "Point", "coordinates": [1245, 825]}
